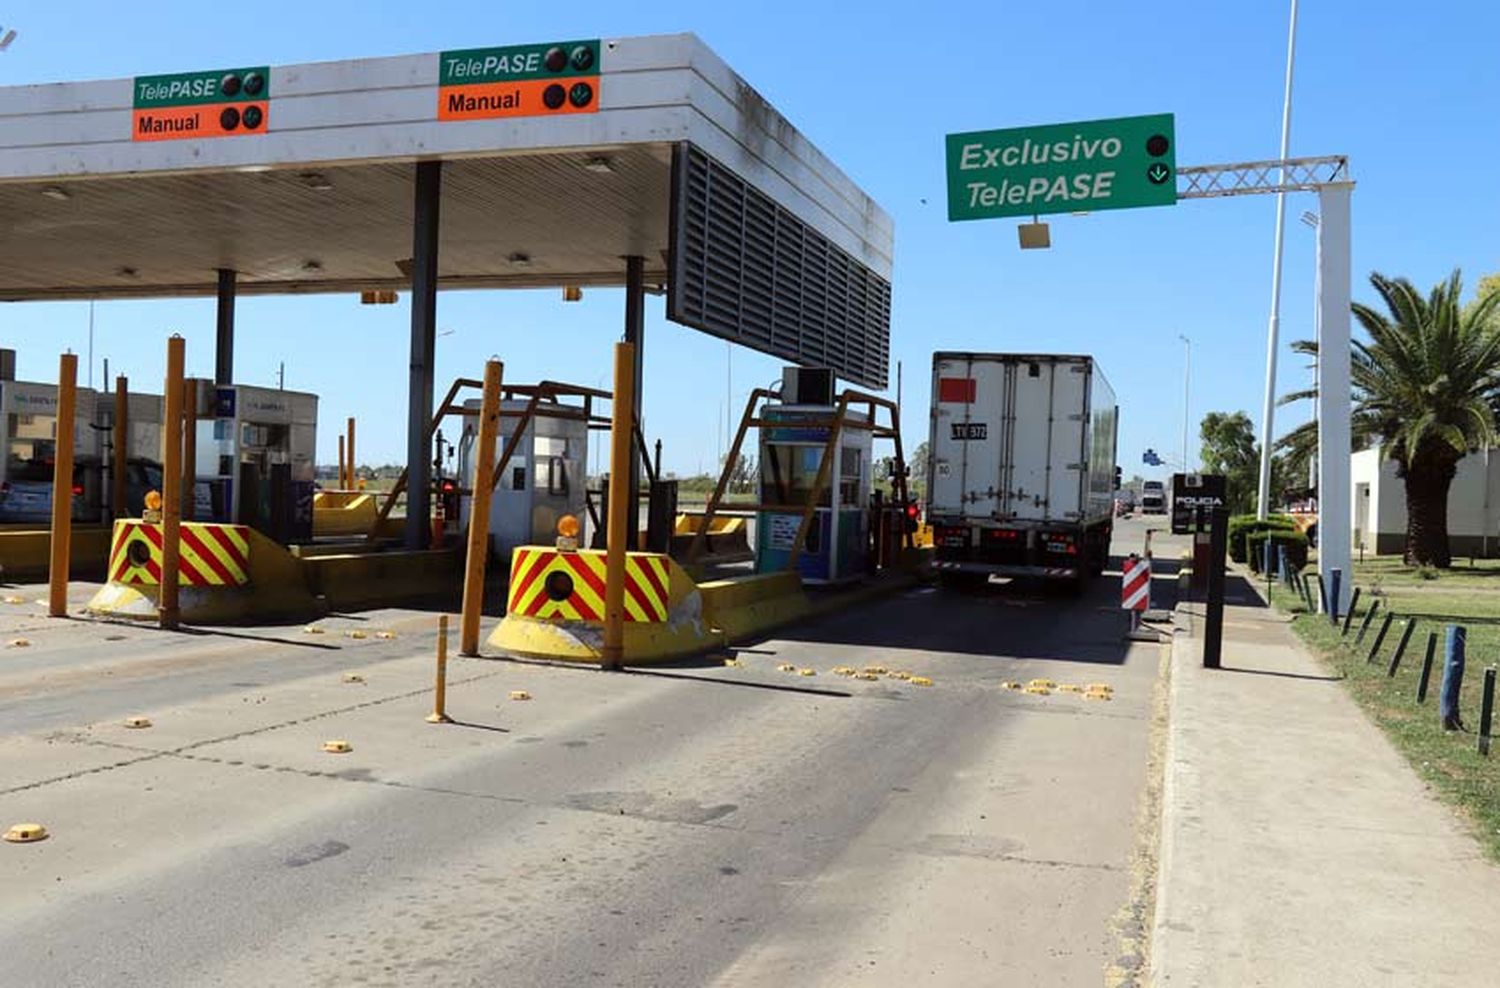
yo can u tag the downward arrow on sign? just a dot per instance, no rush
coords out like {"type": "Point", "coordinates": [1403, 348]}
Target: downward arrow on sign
{"type": "Point", "coordinates": [1158, 173]}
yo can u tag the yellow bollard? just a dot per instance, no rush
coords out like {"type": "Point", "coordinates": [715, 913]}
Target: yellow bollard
{"type": "Point", "coordinates": [171, 486]}
{"type": "Point", "coordinates": [439, 713]}
{"type": "Point", "coordinates": [620, 466]}
{"type": "Point", "coordinates": [121, 440]}
{"type": "Point", "coordinates": [62, 487]}
{"type": "Point", "coordinates": [479, 513]}
{"type": "Point", "coordinates": [349, 451]}
{"type": "Point", "coordinates": [190, 449]}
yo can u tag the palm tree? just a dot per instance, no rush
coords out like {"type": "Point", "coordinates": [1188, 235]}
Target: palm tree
{"type": "Point", "coordinates": [1424, 389]}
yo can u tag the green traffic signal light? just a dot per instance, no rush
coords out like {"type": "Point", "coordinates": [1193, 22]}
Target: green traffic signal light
{"type": "Point", "coordinates": [581, 95]}
{"type": "Point", "coordinates": [583, 58]}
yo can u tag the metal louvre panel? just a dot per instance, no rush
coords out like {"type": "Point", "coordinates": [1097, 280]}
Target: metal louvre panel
{"type": "Point", "coordinates": [745, 269]}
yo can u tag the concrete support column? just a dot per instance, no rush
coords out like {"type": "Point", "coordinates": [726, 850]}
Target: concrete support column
{"type": "Point", "coordinates": [424, 270]}
{"type": "Point", "coordinates": [224, 330]}
{"type": "Point", "coordinates": [635, 335]}
{"type": "Point", "coordinates": [1334, 492]}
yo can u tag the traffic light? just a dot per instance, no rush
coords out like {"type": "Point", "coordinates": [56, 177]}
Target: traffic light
{"type": "Point", "coordinates": [1118, 474]}
{"type": "Point", "coordinates": [913, 512]}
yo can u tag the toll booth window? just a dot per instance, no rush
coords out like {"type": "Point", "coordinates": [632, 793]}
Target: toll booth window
{"type": "Point", "coordinates": [32, 449]}
{"type": "Point", "coordinates": [788, 474]}
{"type": "Point", "coordinates": [557, 476]}
{"type": "Point", "coordinates": [851, 466]}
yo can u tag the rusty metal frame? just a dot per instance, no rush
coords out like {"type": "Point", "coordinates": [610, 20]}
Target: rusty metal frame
{"type": "Point", "coordinates": [541, 395]}
{"type": "Point", "coordinates": [835, 425]}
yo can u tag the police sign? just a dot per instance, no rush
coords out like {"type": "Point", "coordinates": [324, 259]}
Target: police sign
{"type": "Point", "coordinates": [1191, 491]}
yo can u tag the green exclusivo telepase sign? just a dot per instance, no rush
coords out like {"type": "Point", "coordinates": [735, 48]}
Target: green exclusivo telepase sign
{"type": "Point", "coordinates": [1062, 168]}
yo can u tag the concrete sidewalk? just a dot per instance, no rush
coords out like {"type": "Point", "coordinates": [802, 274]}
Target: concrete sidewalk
{"type": "Point", "coordinates": [1298, 847]}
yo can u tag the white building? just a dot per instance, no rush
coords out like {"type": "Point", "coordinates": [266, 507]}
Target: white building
{"type": "Point", "coordinates": [1378, 508]}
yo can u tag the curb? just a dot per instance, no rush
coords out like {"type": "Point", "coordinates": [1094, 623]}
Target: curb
{"type": "Point", "coordinates": [1165, 825]}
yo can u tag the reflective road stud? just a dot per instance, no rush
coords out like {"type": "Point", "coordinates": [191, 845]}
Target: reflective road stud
{"type": "Point", "coordinates": [920, 681]}
{"type": "Point", "coordinates": [137, 722]}
{"type": "Point", "coordinates": [26, 833]}
{"type": "Point", "coordinates": [439, 713]}
{"type": "Point", "coordinates": [337, 747]}
{"type": "Point", "coordinates": [519, 695]}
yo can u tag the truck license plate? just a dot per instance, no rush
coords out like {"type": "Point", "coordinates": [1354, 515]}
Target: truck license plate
{"type": "Point", "coordinates": [970, 430]}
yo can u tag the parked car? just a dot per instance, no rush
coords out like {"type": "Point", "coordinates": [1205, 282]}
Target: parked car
{"type": "Point", "coordinates": [26, 496]}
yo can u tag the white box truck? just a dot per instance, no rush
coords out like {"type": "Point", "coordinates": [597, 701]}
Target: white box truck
{"type": "Point", "coordinates": [1021, 472]}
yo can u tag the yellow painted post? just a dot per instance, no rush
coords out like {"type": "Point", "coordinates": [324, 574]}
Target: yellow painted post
{"type": "Point", "coordinates": [343, 478]}
{"type": "Point", "coordinates": [479, 510]}
{"type": "Point", "coordinates": [190, 449]}
{"type": "Point", "coordinates": [349, 452]}
{"type": "Point", "coordinates": [621, 427]}
{"type": "Point", "coordinates": [122, 448]}
{"type": "Point", "coordinates": [439, 713]}
{"type": "Point", "coordinates": [62, 487]}
{"type": "Point", "coordinates": [171, 485]}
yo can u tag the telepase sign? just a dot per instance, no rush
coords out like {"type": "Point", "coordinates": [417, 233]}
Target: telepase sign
{"type": "Point", "coordinates": [1062, 168]}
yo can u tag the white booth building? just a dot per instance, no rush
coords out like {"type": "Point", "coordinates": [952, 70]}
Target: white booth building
{"type": "Point", "coordinates": [1378, 508]}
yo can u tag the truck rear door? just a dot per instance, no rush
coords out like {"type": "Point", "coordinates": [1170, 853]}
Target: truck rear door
{"type": "Point", "coordinates": [967, 436]}
{"type": "Point", "coordinates": [1047, 426]}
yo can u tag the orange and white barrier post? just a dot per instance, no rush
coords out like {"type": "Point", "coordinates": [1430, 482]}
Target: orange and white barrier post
{"type": "Point", "coordinates": [1135, 588]}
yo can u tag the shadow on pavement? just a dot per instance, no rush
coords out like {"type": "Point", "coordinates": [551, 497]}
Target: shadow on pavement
{"type": "Point", "coordinates": [1282, 675]}
{"type": "Point", "coordinates": [1022, 619]}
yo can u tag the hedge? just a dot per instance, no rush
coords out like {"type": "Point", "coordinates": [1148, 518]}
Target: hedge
{"type": "Point", "coordinates": [1242, 526]}
{"type": "Point", "coordinates": [1294, 541]}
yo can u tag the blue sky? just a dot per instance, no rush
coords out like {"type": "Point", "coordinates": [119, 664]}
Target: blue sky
{"type": "Point", "coordinates": [1406, 91]}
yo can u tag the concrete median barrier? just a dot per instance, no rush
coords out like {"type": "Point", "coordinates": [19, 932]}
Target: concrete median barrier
{"type": "Point", "coordinates": [25, 552]}
{"type": "Point", "coordinates": [228, 574]}
{"type": "Point", "coordinates": [748, 606]}
{"type": "Point", "coordinates": [555, 608]}
{"type": "Point", "coordinates": [343, 513]}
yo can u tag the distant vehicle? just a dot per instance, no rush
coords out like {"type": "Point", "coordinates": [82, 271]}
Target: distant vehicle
{"type": "Point", "coordinates": [1021, 477]}
{"type": "Point", "coordinates": [1153, 498]}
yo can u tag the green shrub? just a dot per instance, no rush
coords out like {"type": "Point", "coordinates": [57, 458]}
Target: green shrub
{"type": "Point", "coordinates": [1242, 526]}
{"type": "Point", "coordinates": [1294, 541]}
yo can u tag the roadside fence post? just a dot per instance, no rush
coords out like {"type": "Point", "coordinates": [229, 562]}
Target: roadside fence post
{"type": "Point", "coordinates": [1411, 624]}
{"type": "Point", "coordinates": [1385, 626]}
{"type": "Point", "coordinates": [1453, 677]}
{"type": "Point", "coordinates": [1486, 710]}
{"type": "Point", "coordinates": [1334, 599]}
{"type": "Point", "coordinates": [1349, 617]}
{"type": "Point", "coordinates": [1427, 667]}
{"type": "Point", "coordinates": [1364, 625]}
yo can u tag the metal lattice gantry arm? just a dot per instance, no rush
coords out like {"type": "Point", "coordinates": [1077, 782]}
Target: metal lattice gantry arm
{"type": "Point", "coordinates": [1252, 177]}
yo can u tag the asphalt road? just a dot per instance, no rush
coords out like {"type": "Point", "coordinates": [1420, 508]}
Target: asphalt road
{"type": "Point", "coordinates": [698, 825]}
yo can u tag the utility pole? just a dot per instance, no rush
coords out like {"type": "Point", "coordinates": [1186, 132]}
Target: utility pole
{"type": "Point", "coordinates": [1268, 416]}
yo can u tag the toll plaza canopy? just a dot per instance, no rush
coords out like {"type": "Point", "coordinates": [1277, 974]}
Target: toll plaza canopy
{"type": "Point", "coordinates": [634, 161]}
{"type": "Point", "coordinates": [548, 164]}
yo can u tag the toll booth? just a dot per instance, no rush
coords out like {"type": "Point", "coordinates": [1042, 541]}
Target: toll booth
{"type": "Point", "coordinates": [542, 480]}
{"type": "Point", "coordinates": [255, 450]}
{"type": "Point", "coordinates": [28, 436]}
{"type": "Point", "coordinates": [793, 440]}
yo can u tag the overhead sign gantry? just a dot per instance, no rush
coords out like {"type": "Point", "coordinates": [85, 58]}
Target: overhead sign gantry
{"type": "Point", "coordinates": [636, 162]}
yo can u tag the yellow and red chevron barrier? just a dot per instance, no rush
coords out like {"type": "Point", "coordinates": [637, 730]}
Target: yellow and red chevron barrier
{"type": "Point", "coordinates": [551, 584]}
{"type": "Point", "coordinates": [211, 555]}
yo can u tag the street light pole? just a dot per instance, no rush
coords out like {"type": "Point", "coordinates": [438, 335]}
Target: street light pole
{"type": "Point", "coordinates": [1187, 369]}
{"type": "Point", "coordinates": [1267, 427]}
